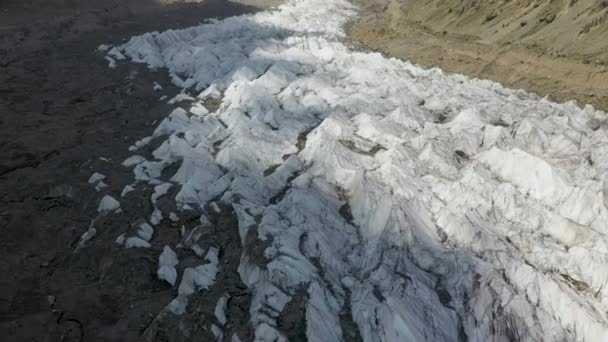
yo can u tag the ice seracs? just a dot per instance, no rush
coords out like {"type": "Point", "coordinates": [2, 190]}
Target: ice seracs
{"type": "Point", "coordinates": [128, 188]}
{"type": "Point", "coordinates": [166, 265]}
{"type": "Point", "coordinates": [194, 279]}
{"type": "Point", "coordinates": [96, 178]}
{"type": "Point", "coordinates": [428, 207]}
{"type": "Point", "coordinates": [107, 204]}
{"type": "Point", "coordinates": [133, 160]}
{"type": "Point", "coordinates": [136, 242]}
{"type": "Point", "coordinates": [220, 309]}
{"type": "Point", "coordinates": [85, 237]}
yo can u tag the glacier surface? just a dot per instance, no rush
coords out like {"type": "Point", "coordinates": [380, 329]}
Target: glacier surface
{"type": "Point", "coordinates": [429, 207]}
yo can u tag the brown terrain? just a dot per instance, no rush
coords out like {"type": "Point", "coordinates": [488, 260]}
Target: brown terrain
{"type": "Point", "coordinates": [555, 48]}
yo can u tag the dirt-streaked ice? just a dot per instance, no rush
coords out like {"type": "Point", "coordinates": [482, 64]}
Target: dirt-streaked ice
{"type": "Point", "coordinates": [431, 207]}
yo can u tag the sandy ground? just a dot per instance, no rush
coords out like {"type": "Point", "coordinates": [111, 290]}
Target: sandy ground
{"type": "Point", "coordinates": [61, 109]}
{"type": "Point", "coordinates": [553, 48]}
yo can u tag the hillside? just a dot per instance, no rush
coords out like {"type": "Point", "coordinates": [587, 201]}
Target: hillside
{"type": "Point", "coordinates": [553, 47]}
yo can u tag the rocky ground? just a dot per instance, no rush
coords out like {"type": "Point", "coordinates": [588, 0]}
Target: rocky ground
{"type": "Point", "coordinates": [62, 109]}
{"type": "Point", "coordinates": [554, 48]}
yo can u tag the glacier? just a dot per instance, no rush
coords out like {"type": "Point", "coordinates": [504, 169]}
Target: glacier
{"type": "Point", "coordinates": [423, 206]}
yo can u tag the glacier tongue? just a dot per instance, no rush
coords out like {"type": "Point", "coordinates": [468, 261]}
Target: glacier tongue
{"type": "Point", "coordinates": [425, 206]}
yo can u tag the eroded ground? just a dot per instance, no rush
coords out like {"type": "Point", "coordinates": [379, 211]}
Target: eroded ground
{"type": "Point", "coordinates": [554, 48]}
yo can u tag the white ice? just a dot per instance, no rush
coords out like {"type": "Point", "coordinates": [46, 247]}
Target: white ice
{"type": "Point", "coordinates": [145, 231]}
{"type": "Point", "coordinates": [220, 309]}
{"type": "Point", "coordinates": [195, 279]}
{"type": "Point", "coordinates": [200, 277]}
{"type": "Point", "coordinates": [104, 47]}
{"type": "Point", "coordinates": [199, 109]}
{"type": "Point", "coordinates": [136, 242]}
{"type": "Point", "coordinates": [166, 265]}
{"type": "Point", "coordinates": [431, 206]}
{"type": "Point", "coordinates": [97, 180]}
{"type": "Point", "coordinates": [133, 160]}
{"type": "Point", "coordinates": [179, 98]}
{"type": "Point", "coordinates": [96, 177]}
{"type": "Point", "coordinates": [128, 188]}
{"type": "Point", "coordinates": [100, 185]}
{"type": "Point", "coordinates": [86, 236]}
{"type": "Point", "coordinates": [111, 62]}
{"type": "Point", "coordinates": [108, 203]}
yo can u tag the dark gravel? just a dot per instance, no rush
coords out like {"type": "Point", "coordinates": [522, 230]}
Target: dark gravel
{"type": "Point", "coordinates": [61, 108]}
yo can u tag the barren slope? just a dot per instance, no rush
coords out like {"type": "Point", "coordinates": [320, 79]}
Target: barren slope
{"type": "Point", "coordinates": [557, 48]}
